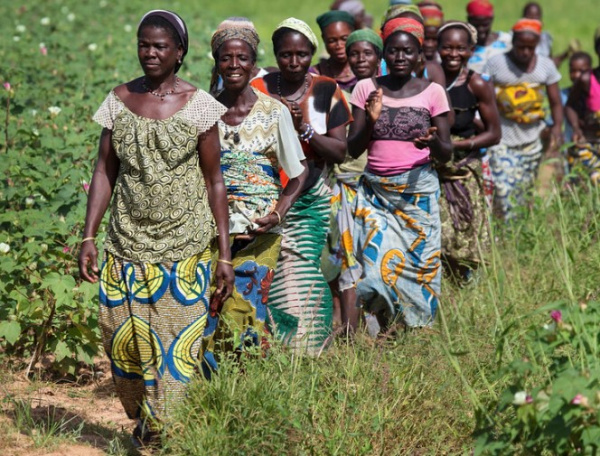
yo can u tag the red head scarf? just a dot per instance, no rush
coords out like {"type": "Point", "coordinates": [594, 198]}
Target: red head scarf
{"type": "Point", "coordinates": [528, 25]}
{"type": "Point", "coordinates": [480, 8]}
{"type": "Point", "coordinates": [406, 25]}
{"type": "Point", "coordinates": [432, 15]}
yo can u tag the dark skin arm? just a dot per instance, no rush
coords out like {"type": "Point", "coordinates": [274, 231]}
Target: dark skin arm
{"type": "Point", "coordinates": [490, 119]}
{"type": "Point", "coordinates": [556, 109]}
{"type": "Point", "coordinates": [435, 73]}
{"type": "Point", "coordinates": [437, 139]}
{"type": "Point", "coordinates": [330, 146]}
{"type": "Point", "coordinates": [101, 189]}
{"type": "Point", "coordinates": [209, 150]}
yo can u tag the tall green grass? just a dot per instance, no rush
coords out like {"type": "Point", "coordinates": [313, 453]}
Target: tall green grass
{"type": "Point", "coordinates": [419, 393]}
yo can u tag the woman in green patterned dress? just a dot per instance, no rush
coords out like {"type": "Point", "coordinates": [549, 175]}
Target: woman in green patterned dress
{"type": "Point", "coordinates": [159, 161]}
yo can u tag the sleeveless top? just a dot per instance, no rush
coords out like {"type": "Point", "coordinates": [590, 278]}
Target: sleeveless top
{"type": "Point", "coordinates": [465, 105]}
{"type": "Point", "coordinates": [159, 209]}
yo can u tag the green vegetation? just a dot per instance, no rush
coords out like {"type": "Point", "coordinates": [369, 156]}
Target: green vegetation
{"type": "Point", "coordinates": [425, 392]}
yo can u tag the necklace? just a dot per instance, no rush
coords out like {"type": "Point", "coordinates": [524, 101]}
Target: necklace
{"type": "Point", "coordinates": [160, 95]}
{"type": "Point", "coordinates": [451, 86]}
{"type": "Point", "coordinates": [235, 134]}
{"type": "Point", "coordinates": [299, 96]}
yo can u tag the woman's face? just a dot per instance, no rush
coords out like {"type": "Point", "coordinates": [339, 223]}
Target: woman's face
{"type": "Point", "coordinates": [454, 49]}
{"type": "Point", "coordinates": [363, 59]}
{"type": "Point", "coordinates": [430, 42]}
{"type": "Point", "coordinates": [235, 63]}
{"type": "Point", "coordinates": [157, 52]}
{"type": "Point", "coordinates": [483, 25]}
{"type": "Point", "coordinates": [334, 37]}
{"type": "Point", "coordinates": [401, 54]}
{"type": "Point", "coordinates": [294, 54]}
{"type": "Point", "coordinates": [524, 44]}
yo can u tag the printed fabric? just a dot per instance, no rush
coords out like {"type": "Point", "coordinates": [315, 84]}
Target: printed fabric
{"type": "Point", "coordinates": [586, 156]}
{"type": "Point", "coordinates": [482, 54]}
{"type": "Point", "coordinates": [152, 318]}
{"type": "Point", "coordinates": [521, 103]}
{"type": "Point", "coordinates": [397, 237]}
{"type": "Point", "coordinates": [160, 208]}
{"type": "Point", "coordinates": [514, 170]}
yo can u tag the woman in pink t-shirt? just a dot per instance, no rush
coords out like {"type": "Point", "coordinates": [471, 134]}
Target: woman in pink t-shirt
{"type": "Point", "coordinates": [403, 123]}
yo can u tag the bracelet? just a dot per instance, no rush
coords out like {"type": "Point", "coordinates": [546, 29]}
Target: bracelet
{"type": "Point", "coordinates": [308, 134]}
{"type": "Point", "coordinates": [312, 133]}
{"type": "Point", "coordinates": [225, 262]}
{"type": "Point", "coordinates": [91, 238]}
{"type": "Point", "coordinates": [278, 216]}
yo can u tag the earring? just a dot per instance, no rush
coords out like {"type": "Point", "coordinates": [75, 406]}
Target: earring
{"type": "Point", "coordinates": [179, 61]}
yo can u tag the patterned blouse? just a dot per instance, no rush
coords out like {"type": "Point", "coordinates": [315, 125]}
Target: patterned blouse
{"type": "Point", "coordinates": [160, 209]}
{"type": "Point", "coordinates": [252, 153]}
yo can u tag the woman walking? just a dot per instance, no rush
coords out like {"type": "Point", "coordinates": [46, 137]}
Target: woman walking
{"type": "Point", "coordinates": [159, 161]}
{"type": "Point", "coordinates": [257, 140]}
{"type": "Point", "coordinates": [402, 121]}
{"type": "Point", "coordinates": [300, 299]}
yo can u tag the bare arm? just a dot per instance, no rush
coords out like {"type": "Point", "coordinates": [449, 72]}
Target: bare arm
{"type": "Point", "coordinates": [209, 151]}
{"type": "Point", "coordinates": [435, 73]}
{"type": "Point", "coordinates": [361, 130]}
{"type": "Point", "coordinates": [490, 119]}
{"type": "Point", "coordinates": [101, 189]}
{"type": "Point", "coordinates": [437, 139]}
{"type": "Point", "coordinates": [556, 109]}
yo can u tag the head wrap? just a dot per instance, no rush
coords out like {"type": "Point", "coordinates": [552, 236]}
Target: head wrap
{"type": "Point", "coordinates": [177, 24]}
{"type": "Point", "coordinates": [406, 25]}
{"type": "Point", "coordinates": [367, 35]}
{"type": "Point", "coordinates": [398, 10]}
{"type": "Point", "coordinates": [331, 17]}
{"type": "Point", "coordinates": [300, 27]}
{"type": "Point", "coordinates": [528, 25]}
{"type": "Point", "coordinates": [235, 28]}
{"type": "Point", "coordinates": [480, 8]}
{"type": "Point", "coordinates": [400, 2]}
{"type": "Point", "coordinates": [471, 31]}
{"type": "Point", "coordinates": [352, 7]}
{"type": "Point", "coordinates": [432, 15]}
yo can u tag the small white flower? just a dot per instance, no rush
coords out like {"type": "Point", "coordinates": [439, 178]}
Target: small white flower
{"type": "Point", "coordinates": [103, 3]}
{"type": "Point", "coordinates": [45, 21]}
{"type": "Point", "coordinates": [210, 56]}
{"type": "Point", "coordinates": [16, 38]}
{"type": "Point", "coordinates": [21, 28]}
{"type": "Point", "coordinates": [35, 132]}
{"type": "Point", "coordinates": [42, 45]}
{"type": "Point", "coordinates": [29, 202]}
{"type": "Point", "coordinates": [128, 28]}
{"type": "Point", "coordinates": [92, 47]}
{"type": "Point", "coordinates": [4, 248]}
{"type": "Point", "coordinates": [71, 17]}
{"type": "Point", "coordinates": [521, 398]}
{"type": "Point", "coordinates": [34, 112]}
{"type": "Point", "coordinates": [261, 51]}
{"type": "Point", "coordinates": [54, 110]}
{"type": "Point", "coordinates": [43, 198]}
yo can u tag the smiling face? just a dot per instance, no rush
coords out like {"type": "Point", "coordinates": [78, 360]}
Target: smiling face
{"type": "Point", "coordinates": [577, 67]}
{"type": "Point", "coordinates": [334, 37]}
{"type": "Point", "coordinates": [401, 54]}
{"type": "Point", "coordinates": [157, 52]}
{"type": "Point", "coordinates": [483, 25]}
{"type": "Point", "coordinates": [454, 49]}
{"type": "Point", "coordinates": [235, 64]}
{"type": "Point", "coordinates": [524, 44]}
{"type": "Point", "coordinates": [430, 43]}
{"type": "Point", "coordinates": [293, 53]}
{"type": "Point", "coordinates": [363, 59]}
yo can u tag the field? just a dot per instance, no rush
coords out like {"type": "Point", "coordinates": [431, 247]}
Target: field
{"type": "Point", "coordinates": [511, 366]}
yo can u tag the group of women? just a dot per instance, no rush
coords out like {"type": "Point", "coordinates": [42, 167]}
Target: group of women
{"type": "Point", "coordinates": [287, 198]}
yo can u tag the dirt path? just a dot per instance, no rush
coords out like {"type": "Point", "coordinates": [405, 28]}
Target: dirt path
{"type": "Point", "coordinates": [51, 419]}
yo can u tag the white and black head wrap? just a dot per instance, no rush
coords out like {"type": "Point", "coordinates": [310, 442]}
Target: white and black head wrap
{"type": "Point", "coordinates": [176, 22]}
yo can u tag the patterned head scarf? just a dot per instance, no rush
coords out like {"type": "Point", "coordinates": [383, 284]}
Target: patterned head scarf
{"type": "Point", "coordinates": [367, 35]}
{"type": "Point", "coordinates": [331, 17]}
{"type": "Point", "coordinates": [471, 31]}
{"type": "Point", "coordinates": [353, 7]}
{"type": "Point", "coordinates": [528, 25]}
{"type": "Point", "coordinates": [406, 25]}
{"type": "Point", "coordinates": [480, 8]}
{"type": "Point", "coordinates": [300, 27]}
{"type": "Point", "coordinates": [176, 22]}
{"type": "Point", "coordinates": [432, 15]}
{"type": "Point", "coordinates": [396, 11]}
{"type": "Point", "coordinates": [400, 2]}
{"type": "Point", "coordinates": [235, 28]}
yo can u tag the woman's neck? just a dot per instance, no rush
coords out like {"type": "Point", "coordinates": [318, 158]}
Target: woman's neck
{"type": "Point", "coordinates": [160, 84]}
{"type": "Point", "coordinates": [237, 98]}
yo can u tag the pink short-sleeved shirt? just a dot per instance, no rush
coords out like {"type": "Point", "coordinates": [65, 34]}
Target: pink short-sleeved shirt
{"type": "Point", "coordinates": [391, 149]}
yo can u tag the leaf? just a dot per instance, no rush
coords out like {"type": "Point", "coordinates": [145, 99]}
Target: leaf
{"type": "Point", "coordinates": [10, 330]}
{"type": "Point", "coordinates": [62, 351]}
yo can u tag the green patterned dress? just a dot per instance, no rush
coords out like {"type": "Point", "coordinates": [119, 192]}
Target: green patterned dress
{"type": "Point", "coordinates": [154, 282]}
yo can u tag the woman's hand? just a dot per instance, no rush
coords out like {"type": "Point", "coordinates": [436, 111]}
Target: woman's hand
{"type": "Point", "coordinates": [224, 278]}
{"type": "Point", "coordinates": [88, 262]}
{"type": "Point", "coordinates": [374, 104]}
{"type": "Point", "coordinates": [266, 223]}
{"type": "Point", "coordinates": [425, 141]}
{"type": "Point", "coordinates": [296, 113]}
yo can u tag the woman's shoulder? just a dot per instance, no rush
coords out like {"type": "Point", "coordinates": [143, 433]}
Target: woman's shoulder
{"type": "Point", "coordinates": [267, 103]}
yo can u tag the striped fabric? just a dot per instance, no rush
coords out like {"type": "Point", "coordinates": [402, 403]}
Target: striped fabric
{"type": "Point", "coordinates": [300, 300]}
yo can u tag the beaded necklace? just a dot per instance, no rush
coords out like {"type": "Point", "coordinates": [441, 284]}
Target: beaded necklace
{"type": "Point", "coordinates": [160, 95]}
{"type": "Point", "coordinates": [299, 96]}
